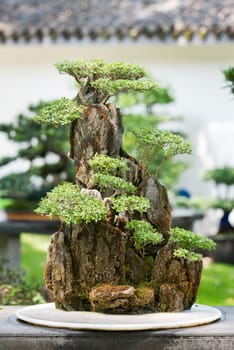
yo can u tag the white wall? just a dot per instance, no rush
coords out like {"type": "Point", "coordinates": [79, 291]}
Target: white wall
{"type": "Point", "coordinates": [27, 74]}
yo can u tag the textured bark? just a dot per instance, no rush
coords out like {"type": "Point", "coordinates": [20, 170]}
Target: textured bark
{"type": "Point", "coordinates": [92, 266]}
{"type": "Point", "coordinates": [99, 131]}
{"type": "Point", "coordinates": [81, 257]}
{"type": "Point", "coordinates": [159, 213]}
{"type": "Point", "coordinates": [175, 280]}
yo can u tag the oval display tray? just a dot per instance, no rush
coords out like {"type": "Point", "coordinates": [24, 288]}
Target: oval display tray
{"type": "Point", "coordinates": [47, 315]}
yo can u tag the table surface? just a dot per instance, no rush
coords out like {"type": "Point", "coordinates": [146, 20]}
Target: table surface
{"type": "Point", "coordinates": [10, 325]}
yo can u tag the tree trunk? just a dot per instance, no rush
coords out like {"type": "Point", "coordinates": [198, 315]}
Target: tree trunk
{"type": "Point", "coordinates": [96, 266]}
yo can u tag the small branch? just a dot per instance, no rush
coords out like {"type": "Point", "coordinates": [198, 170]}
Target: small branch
{"type": "Point", "coordinates": [81, 96]}
{"type": "Point", "coordinates": [106, 98]}
{"type": "Point", "coordinates": [161, 165]}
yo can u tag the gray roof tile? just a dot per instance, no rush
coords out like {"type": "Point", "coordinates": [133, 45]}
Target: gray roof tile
{"type": "Point", "coordinates": [115, 19]}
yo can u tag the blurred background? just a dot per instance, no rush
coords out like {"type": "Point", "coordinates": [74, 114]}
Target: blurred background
{"type": "Point", "coordinates": [186, 46]}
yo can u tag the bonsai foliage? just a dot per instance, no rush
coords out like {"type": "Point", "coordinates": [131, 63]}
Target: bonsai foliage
{"type": "Point", "coordinates": [144, 233]}
{"type": "Point", "coordinates": [150, 119]}
{"type": "Point", "coordinates": [97, 81]}
{"type": "Point", "coordinates": [188, 243]}
{"type": "Point", "coordinates": [159, 145]}
{"type": "Point", "coordinates": [72, 206]}
{"type": "Point", "coordinates": [59, 112]}
{"type": "Point", "coordinates": [44, 148]}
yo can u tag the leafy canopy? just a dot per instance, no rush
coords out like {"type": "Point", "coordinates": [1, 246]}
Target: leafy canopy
{"type": "Point", "coordinates": [112, 87]}
{"type": "Point", "coordinates": [106, 181]}
{"type": "Point", "coordinates": [171, 144]}
{"type": "Point", "coordinates": [160, 144]}
{"type": "Point", "coordinates": [188, 242]}
{"type": "Point", "coordinates": [97, 82]}
{"type": "Point", "coordinates": [96, 68]}
{"type": "Point", "coordinates": [108, 173]}
{"type": "Point", "coordinates": [130, 204]}
{"type": "Point", "coordinates": [102, 163]}
{"type": "Point", "coordinates": [144, 233]}
{"type": "Point", "coordinates": [71, 206]}
{"type": "Point", "coordinates": [59, 112]}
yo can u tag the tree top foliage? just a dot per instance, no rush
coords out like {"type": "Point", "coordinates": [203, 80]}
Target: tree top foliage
{"type": "Point", "coordinates": [96, 68]}
{"type": "Point", "coordinates": [105, 78]}
{"type": "Point", "coordinates": [97, 82]}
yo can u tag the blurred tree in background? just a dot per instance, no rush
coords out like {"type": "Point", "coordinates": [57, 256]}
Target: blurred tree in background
{"type": "Point", "coordinates": [229, 77]}
{"type": "Point", "coordinates": [45, 150]}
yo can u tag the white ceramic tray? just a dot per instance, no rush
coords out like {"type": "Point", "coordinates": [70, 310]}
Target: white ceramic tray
{"type": "Point", "coordinates": [47, 315]}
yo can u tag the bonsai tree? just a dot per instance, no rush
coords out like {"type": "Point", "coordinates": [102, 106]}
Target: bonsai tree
{"type": "Point", "coordinates": [45, 149]}
{"type": "Point", "coordinates": [223, 178]}
{"type": "Point", "coordinates": [115, 250]}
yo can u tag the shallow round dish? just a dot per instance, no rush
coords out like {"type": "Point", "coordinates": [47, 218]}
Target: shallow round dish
{"type": "Point", "coordinates": [47, 315]}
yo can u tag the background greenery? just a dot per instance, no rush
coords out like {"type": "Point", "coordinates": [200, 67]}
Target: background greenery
{"type": "Point", "coordinates": [217, 284]}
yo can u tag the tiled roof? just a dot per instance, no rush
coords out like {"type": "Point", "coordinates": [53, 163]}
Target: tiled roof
{"type": "Point", "coordinates": [119, 19]}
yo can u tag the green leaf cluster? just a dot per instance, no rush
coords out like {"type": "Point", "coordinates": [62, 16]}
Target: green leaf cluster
{"type": "Point", "coordinates": [59, 112]}
{"type": "Point", "coordinates": [188, 242]}
{"type": "Point", "coordinates": [104, 164]}
{"type": "Point", "coordinates": [130, 204]}
{"type": "Point", "coordinates": [162, 140]}
{"type": "Point", "coordinates": [187, 254]}
{"type": "Point", "coordinates": [112, 87]}
{"type": "Point", "coordinates": [71, 206]}
{"type": "Point", "coordinates": [108, 172]}
{"type": "Point", "coordinates": [106, 181]}
{"type": "Point", "coordinates": [144, 233]}
{"type": "Point", "coordinates": [97, 68]}
{"type": "Point", "coordinates": [157, 144]}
